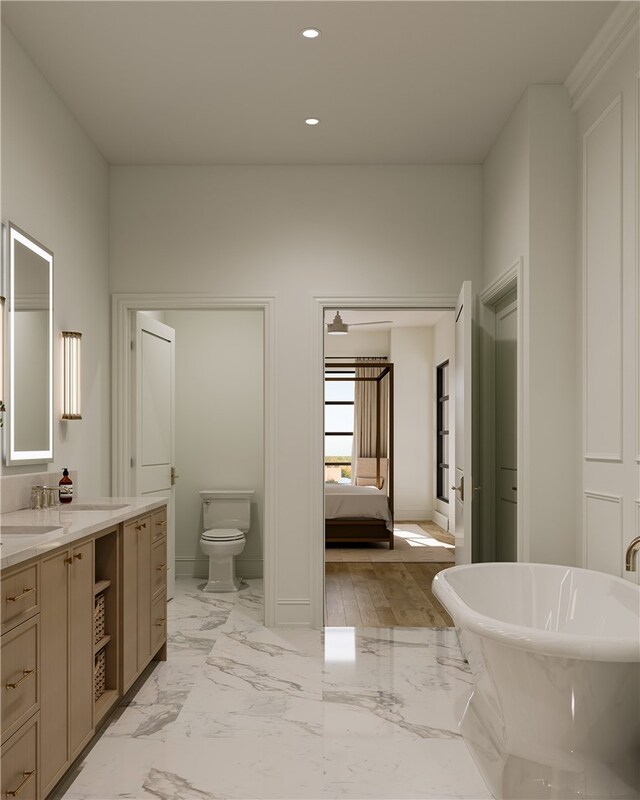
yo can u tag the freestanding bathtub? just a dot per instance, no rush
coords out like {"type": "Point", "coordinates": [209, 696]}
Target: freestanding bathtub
{"type": "Point", "coordinates": [555, 657]}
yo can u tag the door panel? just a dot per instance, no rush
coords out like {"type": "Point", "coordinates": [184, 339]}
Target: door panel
{"type": "Point", "coordinates": [54, 643]}
{"type": "Point", "coordinates": [465, 494]}
{"type": "Point", "coordinates": [154, 455]}
{"type": "Point", "coordinates": [81, 632]}
{"type": "Point", "coordinates": [129, 605]}
{"type": "Point", "coordinates": [506, 365]}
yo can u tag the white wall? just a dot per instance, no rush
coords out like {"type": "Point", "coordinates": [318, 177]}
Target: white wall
{"type": "Point", "coordinates": [295, 233]}
{"type": "Point", "coordinates": [219, 425]}
{"type": "Point", "coordinates": [529, 213]}
{"type": "Point", "coordinates": [357, 343]}
{"type": "Point", "coordinates": [608, 325]}
{"type": "Point", "coordinates": [411, 351]}
{"type": "Point", "coordinates": [55, 186]}
{"type": "Point", "coordinates": [444, 332]}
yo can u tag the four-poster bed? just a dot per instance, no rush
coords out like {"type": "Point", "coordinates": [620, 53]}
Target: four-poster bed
{"type": "Point", "coordinates": [362, 511]}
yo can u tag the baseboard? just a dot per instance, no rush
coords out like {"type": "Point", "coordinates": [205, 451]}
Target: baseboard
{"type": "Point", "coordinates": [413, 514]}
{"type": "Point", "coordinates": [441, 520]}
{"type": "Point", "coordinates": [293, 613]}
{"type": "Point", "coordinates": [199, 567]}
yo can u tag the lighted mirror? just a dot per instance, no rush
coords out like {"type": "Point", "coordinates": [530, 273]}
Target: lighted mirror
{"type": "Point", "coordinates": [29, 415]}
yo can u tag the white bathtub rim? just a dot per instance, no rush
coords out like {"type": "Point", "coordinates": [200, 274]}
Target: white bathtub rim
{"type": "Point", "coordinates": [560, 644]}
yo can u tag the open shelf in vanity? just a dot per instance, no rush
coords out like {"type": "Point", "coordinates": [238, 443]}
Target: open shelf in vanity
{"type": "Point", "coordinates": [106, 616]}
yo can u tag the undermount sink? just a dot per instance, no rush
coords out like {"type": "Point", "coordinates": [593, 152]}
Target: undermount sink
{"type": "Point", "coordinates": [26, 530]}
{"type": "Point", "coordinates": [92, 506]}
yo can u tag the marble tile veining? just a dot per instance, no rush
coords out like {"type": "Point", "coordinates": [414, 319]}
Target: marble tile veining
{"type": "Point", "coordinates": [240, 711]}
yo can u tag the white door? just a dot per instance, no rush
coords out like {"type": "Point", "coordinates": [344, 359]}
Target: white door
{"type": "Point", "coordinates": [506, 426]}
{"type": "Point", "coordinates": [154, 420]}
{"type": "Point", "coordinates": [464, 430]}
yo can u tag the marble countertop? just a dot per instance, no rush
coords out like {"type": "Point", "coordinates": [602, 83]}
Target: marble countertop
{"type": "Point", "coordinates": [71, 523]}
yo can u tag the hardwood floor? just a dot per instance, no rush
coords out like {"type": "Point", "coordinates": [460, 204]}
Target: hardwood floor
{"type": "Point", "coordinates": [363, 594]}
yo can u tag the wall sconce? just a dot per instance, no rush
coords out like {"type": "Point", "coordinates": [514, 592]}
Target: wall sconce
{"type": "Point", "coordinates": [71, 375]}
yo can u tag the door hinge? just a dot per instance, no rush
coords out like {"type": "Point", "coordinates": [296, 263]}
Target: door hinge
{"type": "Point", "coordinates": [132, 462]}
{"type": "Point", "coordinates": [133, 345]}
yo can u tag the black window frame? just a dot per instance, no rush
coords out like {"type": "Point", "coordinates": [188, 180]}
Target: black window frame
{"type": "Point", "coordinates": [442, 458]}
{"type": "Point", "coordinates": [339, 403]}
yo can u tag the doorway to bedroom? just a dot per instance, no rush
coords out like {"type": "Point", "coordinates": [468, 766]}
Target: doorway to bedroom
{"type": "Point", "coordinates": [389, 440]}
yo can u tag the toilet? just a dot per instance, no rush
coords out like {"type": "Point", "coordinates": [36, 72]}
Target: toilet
{"type": "Point", "coordinates": [227, 516]}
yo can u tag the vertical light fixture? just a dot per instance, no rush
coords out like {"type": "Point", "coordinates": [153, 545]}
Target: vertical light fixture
{"type": "Point", "coordinates": [71, 375]}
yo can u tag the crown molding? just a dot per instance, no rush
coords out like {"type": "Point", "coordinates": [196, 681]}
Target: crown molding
{"type": "Point", "coordinates": [612, 37]}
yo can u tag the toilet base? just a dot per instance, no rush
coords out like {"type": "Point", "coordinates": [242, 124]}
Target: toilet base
{"type": "Point", "coordinates": [223, 586]}
{"type": "Point", "coordinates": [222, 572]}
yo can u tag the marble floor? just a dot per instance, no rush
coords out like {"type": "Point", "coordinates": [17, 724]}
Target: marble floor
{"type": "Point", "coordinates": [241, 711]}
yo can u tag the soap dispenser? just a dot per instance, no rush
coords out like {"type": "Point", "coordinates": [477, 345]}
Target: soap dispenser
{"type": "Point", "coordinates": [66, 487]}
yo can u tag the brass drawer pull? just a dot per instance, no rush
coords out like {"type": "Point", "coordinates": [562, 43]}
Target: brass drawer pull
{"type": "Point", "coordinates": [25, 779]}
{"type": "Point", "coordinates": [160, 623]}
{"type": "Point", "coordinates": [160, 568]}
{"type": "Point", "coordinates": [141, 526]}
{"type": "Point", "coordinates": [79, 556]}
{"type": "Point", "coordinates": [68, 560]}
{"type": "Point", "coordinates": [25, 674]}
{"type": "Point", "coordinates": [22, 594]}
{"type": "Point", "coordinates": [161, 523]}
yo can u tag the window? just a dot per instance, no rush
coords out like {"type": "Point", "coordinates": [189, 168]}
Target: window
{"type": "Point", "coordinates": [339, 390]}
{"type": "Point", "coordinates": [442, 432]}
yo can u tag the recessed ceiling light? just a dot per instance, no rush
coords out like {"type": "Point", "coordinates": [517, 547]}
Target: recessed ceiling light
{"type": "Point", "coordinates": [311, 33]}
{"type": "Point", "coordinates": [312, 121]}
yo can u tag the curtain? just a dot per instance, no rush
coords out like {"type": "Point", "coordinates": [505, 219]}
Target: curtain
{"type": "Point", "coordinates": [365, 418]}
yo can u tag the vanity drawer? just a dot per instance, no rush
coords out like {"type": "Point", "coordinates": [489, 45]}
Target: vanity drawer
{"type": "Point", "coordinates": [158, 622]}
{"type": "Point", "coordinates": [159, 524]}
{"type": "Point", "coordinates": [20, 763]}
{"type": "Point", "coordinates": [20, 597]}
{"type": "Point", "coordinates": [19, 692]}
{"type": "Point", "coordinates": [159, 567]}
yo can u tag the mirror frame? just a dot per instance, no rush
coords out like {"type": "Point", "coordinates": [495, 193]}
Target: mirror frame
{"type": "Point", "coordinates": [14, 456]}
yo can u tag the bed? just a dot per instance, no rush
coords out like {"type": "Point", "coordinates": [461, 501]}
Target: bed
{"type": "Point", "coordinates": [362, 511]}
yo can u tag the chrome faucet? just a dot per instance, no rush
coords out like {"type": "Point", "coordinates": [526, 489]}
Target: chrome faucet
{"type": "Point", "coordinates": [632, 552]}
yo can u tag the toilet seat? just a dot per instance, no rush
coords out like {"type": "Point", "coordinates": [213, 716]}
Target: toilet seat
{"type": "Point", "coordinates": [222, 535]}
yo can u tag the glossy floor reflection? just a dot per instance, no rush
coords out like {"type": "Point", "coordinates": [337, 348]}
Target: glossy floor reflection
{"type": "Point", "coordinates": [240, 711]}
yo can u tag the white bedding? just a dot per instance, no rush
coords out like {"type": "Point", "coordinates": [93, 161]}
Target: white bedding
{"type": "Point", "coordinates": [346, 500]}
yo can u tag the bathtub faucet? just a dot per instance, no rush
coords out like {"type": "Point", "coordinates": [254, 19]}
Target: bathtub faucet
{"type": "Point", "coordinates": [632, 552]}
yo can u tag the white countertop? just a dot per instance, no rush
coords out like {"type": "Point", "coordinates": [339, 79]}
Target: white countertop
{"type": "Point", "coordinates": [70, 525]}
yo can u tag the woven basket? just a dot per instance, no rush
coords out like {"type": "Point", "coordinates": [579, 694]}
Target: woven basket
{"type": "Point", "coordinates": [98, 625]}
{"type": "Point", "coordinates": [99, 675]}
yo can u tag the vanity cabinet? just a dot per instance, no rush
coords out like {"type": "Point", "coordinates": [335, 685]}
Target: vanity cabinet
{"type": "Point", "coordinates": [144, 565]}
{"type": "Point", "coordinates": [79, 625]}
{"type": "Point", "coordinates": [67, 579]}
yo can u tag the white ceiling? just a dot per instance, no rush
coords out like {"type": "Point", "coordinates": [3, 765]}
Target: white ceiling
{"type": "Point", "coordinates": [231, 82]}
{"type": "Point", "coordinates": [387, 318]}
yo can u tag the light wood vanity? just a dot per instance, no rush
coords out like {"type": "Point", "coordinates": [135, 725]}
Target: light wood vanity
{"type": "Point", "coordinates": [79, 624]}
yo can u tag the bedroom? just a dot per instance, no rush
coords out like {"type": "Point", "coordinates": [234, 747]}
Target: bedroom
{"type": "Point", "coordinates": [388, 452]}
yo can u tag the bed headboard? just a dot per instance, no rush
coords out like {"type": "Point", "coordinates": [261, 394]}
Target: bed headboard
{"type": "Point", "coordinates": [366, 472]}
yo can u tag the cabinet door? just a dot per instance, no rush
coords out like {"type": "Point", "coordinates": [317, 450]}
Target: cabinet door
{"type": "Point", "coordinates": [19, 766]}
{"type": "Point", "coordinates": [144, 591]}
{"type": "Point", "coordinates": [54, 643]}
{"type": "Point", "coordinates": [129, 573]}
{"type": "Point", "coordinates": [81, 625]}
{"type": "Point", "coordinates": [159, 567]}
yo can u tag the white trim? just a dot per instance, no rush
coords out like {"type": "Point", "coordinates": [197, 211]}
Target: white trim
{"type": "Point", "coordinates": [316, 498]}
{"type": "Point", "coordinates": [637, 224]}
{"type": "Point", "coordinates": [517, 277]}
{"type": "Point", "coordinates": [121, 333]}
{"type": "Point", "coordinates": [609, 498]}
{"type": "Point", "coordinates": [602, 52]}
{"type": "Point", "coordinates": [588, 456]}
{"type": "Point", "coordinates": [293, 613]}
{"type": "Point", "coordinates": [441, 520]}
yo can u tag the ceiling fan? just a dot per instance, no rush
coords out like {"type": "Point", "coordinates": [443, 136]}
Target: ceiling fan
{"type": "Point", "coordinates": [340, 328]}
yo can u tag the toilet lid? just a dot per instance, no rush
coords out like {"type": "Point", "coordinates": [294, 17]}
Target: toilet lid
{"type": "Point", "coordinates": [222, 535]}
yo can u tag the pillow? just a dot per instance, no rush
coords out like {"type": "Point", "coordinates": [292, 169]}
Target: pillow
{"type": "Point", "coordinates": [369, 482]}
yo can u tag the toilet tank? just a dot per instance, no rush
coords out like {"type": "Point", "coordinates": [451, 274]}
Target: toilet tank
{"type": "Point", "coordinates": [226, 508]}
